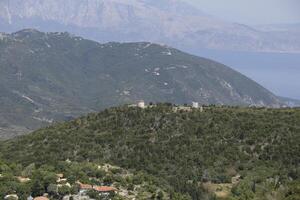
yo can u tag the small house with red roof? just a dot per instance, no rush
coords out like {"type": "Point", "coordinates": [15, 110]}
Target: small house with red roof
{"type": "Point", "coordinates": [102, 190]}
{"type": "Point", "coordinates": [83, 188]}
{"type": "Point", "coordinates": [106, 190]}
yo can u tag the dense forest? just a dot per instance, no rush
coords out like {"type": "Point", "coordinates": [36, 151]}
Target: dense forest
{"type": "Point", "coordinates": [218, 153]}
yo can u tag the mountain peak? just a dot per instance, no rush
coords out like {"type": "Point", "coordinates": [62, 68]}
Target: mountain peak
{"type": "Point", "coordinates": [25, 33]}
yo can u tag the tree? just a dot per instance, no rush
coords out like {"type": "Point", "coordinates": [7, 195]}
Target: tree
{"type": "Point", "coordinates": [52, 189]}
{"type": "Point", "coordinates": [38, 188]}
{"type": "Point", "coordinates": [160, 195]}
{"type": "Point", "coordinates": [64, 190]}
{"type": "Point", "coordinates": [27, 172]}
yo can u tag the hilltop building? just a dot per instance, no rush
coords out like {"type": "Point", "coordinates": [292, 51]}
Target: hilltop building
{"type": "Point", "coordinates": [141, 104]}
{"type": "Point", "coordinates": [201, 109]}
{"type": "Point", "coordinates": [195, 105]}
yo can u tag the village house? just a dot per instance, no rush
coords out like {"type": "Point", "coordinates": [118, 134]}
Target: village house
{"type": "Point", "coordinates": [236, 179]}
{"type": "Point", "coordinates": [60, 175]}
{"type": "Point", "coordinates": [11, 196]}
{"type": "Point", "coordinates": [41, 198]}
{"type": "Point", "coordinates": [60, 178]}
{"type": "Point", "coordinates": [105, 190]}
{"type": "Point", "coordinates": [23, 179]}
{"type": "Point", "coordinates": [141, 104]}
{"type": "Point", "coordinates": [182, 108]}
{"type": "Point", "coordinates": [102, 190]}
{"type": "Point", "coordinates": [195, 105]}
{"type": "Point", "coordinates": [83, 188]}
{"type": "Point", "coordinates": [186, 108]}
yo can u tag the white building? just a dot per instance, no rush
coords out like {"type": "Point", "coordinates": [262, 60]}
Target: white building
{"type": "Point", "coordinates": [201, 108]}
{"type": "Point", "coordinates": [141, 104]}
{"type": "Point", "coordinates": [195, 105]}
{"type": "Point", "coordinates": [11, 196]}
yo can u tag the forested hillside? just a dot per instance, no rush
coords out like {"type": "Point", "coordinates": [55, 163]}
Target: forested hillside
{"type": "Point", "coordinates": [222, 152]}
{"type": "Point", "coordinates": [48, 77]}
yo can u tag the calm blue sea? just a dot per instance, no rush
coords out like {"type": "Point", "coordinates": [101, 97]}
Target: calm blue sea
{"type": "Point", "coordinates": [278, 72]}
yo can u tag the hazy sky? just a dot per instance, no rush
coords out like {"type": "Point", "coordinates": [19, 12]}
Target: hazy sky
{"type": "Point", "coordinates": [252, 11]}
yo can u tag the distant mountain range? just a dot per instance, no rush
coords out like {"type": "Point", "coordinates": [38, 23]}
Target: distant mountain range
{"type": "Point", "coordinates": [172, 22]}
{"type": "Point", "coordinates": [290, 102]}
{"type": "Point", "coordinates": [46, 77]}
{"type": "Point", "coordinates": [280, 27]}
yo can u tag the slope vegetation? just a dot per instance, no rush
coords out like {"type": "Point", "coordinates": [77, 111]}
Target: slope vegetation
{"type": "Point", "coordinates": [235, 153]}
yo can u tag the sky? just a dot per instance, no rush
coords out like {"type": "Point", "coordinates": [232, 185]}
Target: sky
{"type": "Point", "coordinates": [252, 12]}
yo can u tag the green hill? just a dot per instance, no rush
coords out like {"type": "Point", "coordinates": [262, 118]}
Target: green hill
{"type": "Point", "coordinates": [233, 153]}
{"type": "Point", "coordinates": [48, 77]}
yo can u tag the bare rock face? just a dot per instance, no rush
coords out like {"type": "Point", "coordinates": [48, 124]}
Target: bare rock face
{"type": "Point", "coordinates": [166, 21]}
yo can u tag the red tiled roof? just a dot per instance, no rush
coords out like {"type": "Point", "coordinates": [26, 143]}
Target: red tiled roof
{"type": "Point", "coordinates": [85, 186]}
{"type": "Point", "coordinates": [104, 189]}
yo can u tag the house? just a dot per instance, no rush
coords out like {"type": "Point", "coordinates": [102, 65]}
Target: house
{"type": "Point", "coordinates": [236, 179]}
{"type": "Point", "coordinates": [41, 198]}
{"type": "Point", "coordinates": [23, 179]}
{"type": "Point", "coordinates": [60, 178]}
{"type": "Point", "coordinates": [201, 108]}
{"type": "Point", "coordinates": [105, 190]}
{"type": "Point", "coordinates": [141, 104]}
{"type": "Point", "coordinates": [195, 105]}
{"type": "Point", "coordinates": [83, 188]}
{"type": "Point", "coordinates": [11, 196]}
{"type": "Point", "coordinates": [182, 108]}
{"type": "Point", "coordinates": [60, 175]}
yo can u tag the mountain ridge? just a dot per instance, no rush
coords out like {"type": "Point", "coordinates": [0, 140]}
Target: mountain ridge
{"type": "Point", "coordinates": [58, 76]}
{"type": "Point", "coordinates": [175, 23]}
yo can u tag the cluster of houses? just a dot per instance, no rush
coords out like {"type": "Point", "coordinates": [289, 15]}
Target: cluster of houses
{"type": "Point", "coordinates": [194, 105]}
{"type": "Point", "coordinates": [104, 191]}
{"type": "Point", "coordinates": [15, 197]}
